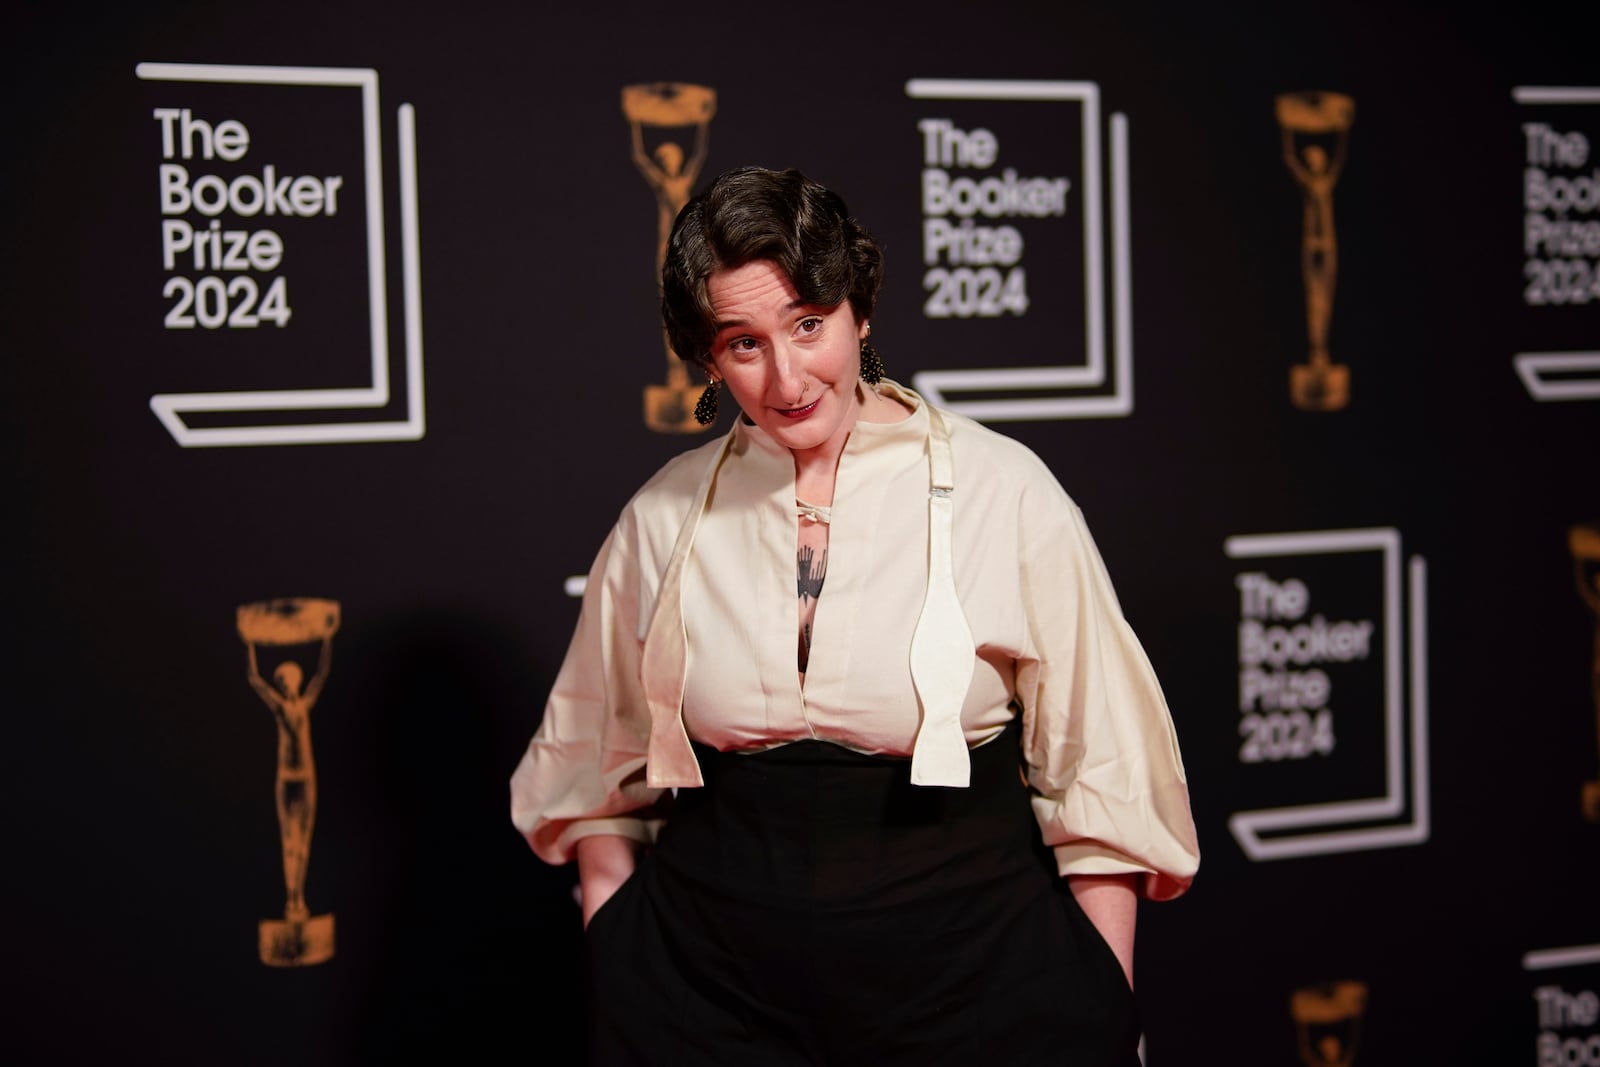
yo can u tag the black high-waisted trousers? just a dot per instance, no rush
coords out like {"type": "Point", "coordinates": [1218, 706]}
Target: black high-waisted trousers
{"type": "Point", "coordinates": [811, 906]}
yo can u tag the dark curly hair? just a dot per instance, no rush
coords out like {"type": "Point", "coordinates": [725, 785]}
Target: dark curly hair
{"type": "Point", "coordinates": [751, 213]}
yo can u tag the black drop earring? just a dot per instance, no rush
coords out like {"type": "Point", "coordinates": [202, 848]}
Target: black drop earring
{"type": "Point", "coordinates": [871, 363]}
{"type": "Point", "coordinates": [705, 409]}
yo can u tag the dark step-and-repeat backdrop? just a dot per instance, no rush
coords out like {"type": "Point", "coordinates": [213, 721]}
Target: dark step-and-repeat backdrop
{"type": "Point", "coordinates": [331, 353]}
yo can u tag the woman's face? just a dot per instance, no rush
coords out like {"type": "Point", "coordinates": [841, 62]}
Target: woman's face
{"type": "Point", "coordinates": [791, 366]}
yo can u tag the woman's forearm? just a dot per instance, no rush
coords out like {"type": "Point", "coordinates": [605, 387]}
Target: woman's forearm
{"type": "Point", "coordinates": [604, 862]}
{"type": "Point", "coordinates": [1111, 903]}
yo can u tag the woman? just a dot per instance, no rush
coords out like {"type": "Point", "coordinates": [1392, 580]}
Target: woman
{"type": "Point", "coordinates": [902, 814]}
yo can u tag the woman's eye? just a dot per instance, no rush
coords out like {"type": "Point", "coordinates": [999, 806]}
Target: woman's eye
{"type": "Point", "coordinates": [811, 324]}
{"type": "Point", "coordinates": [743, 345]}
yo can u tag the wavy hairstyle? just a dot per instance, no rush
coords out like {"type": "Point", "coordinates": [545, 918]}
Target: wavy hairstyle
{"type": "Point", "coordinates": [751, 213]}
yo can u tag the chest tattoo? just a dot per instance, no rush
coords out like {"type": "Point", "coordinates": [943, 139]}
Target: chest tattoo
{"type": "Point", "coordinates": [813, 569]}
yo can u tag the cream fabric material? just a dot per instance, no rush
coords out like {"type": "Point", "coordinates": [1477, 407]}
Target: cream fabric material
{"type": "Point", "coordinates": [941, 647]}
{"type": "Point", "coordinates": [1047, 636]}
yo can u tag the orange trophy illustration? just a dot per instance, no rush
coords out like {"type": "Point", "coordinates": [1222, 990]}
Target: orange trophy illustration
{"type": "Point", "coordinates": [299, 938]}
{"type": "Point", "coordinates": [1327, 1021]}
{"type": "Point", "coordinates": [1319, 384]}
{"type": "Point", "coordinates": [1584, 540]}
{"type": "Point", "coordinates": [670, 172]}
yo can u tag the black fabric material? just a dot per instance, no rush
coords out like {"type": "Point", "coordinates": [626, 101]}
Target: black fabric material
{"type": "Point", "coordinates": [811, 906]}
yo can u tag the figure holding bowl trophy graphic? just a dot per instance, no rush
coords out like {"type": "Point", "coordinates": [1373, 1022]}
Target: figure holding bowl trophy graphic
{"type": "Point", "coordinates": [299, 938]}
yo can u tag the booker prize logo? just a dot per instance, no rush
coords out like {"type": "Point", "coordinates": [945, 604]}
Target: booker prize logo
{"type": "Point", "coordinates": [670, 111]}
{"type": "Point", "coordinates": [1316, 132]}
{"type": "Point", "coordinates": [1566, 1008]}
{"type": "Point", "coordinates": [1332, 709]}
{"type": "Point", "coordinates": [273, 282]}
{"type": "Point", "coordinates": [1584, 541]}
{"type": "Point", "coordinates": [298, 633]}
{"type": "Point", "coordinates": [1013, 200]}
{"type": "Point", "coordinates": [1560, 242]}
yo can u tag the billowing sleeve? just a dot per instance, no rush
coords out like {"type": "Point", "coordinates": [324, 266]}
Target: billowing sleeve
{"type": "Point", "coordinates": [1109, 787]}
{"type": "Point", "coordinates": [583, 772]}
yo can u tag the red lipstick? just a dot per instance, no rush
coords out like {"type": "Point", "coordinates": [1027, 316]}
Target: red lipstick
{"type": "Point", "coordinates": [799, 413]}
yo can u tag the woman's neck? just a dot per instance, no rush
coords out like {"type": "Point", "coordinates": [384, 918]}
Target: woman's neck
{"type": "Point", "coordinates": [815, 469]}
{"type": "Point", "coordinates": [814, 472]}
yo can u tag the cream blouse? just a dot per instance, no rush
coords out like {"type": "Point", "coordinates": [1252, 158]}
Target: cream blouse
{"type": "Point", "coordinates": [687, 630]}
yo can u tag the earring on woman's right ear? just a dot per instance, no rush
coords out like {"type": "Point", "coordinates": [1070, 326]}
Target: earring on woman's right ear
{"type": "Point", "coordinates": [705, 409]}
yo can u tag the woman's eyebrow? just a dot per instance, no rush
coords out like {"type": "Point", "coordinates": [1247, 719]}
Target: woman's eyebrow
{"type": "Point", "coordinates": [726, 324]}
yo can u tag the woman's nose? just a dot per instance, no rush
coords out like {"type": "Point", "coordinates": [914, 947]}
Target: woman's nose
{"type": "Point", "coordinates": [789, 376]}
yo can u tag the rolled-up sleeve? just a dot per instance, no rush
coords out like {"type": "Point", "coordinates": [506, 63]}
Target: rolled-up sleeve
{"type": "Point", "coordinates": [584, 770]}
{"type": "Point", "coordinates": [1109, 787]}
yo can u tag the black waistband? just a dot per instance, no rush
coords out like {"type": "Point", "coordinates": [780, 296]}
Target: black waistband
{"type": "Point", "coordinates": [814, 814]}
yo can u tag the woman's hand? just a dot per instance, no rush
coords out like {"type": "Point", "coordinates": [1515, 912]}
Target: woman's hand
{"type": "Point", "coordinates": [604, 862]}
{"type": "Point", "coordinates": [1110, 902]}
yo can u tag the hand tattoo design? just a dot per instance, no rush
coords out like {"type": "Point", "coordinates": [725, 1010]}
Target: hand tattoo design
{"type": "Point", "coordinates": [812, 571]}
